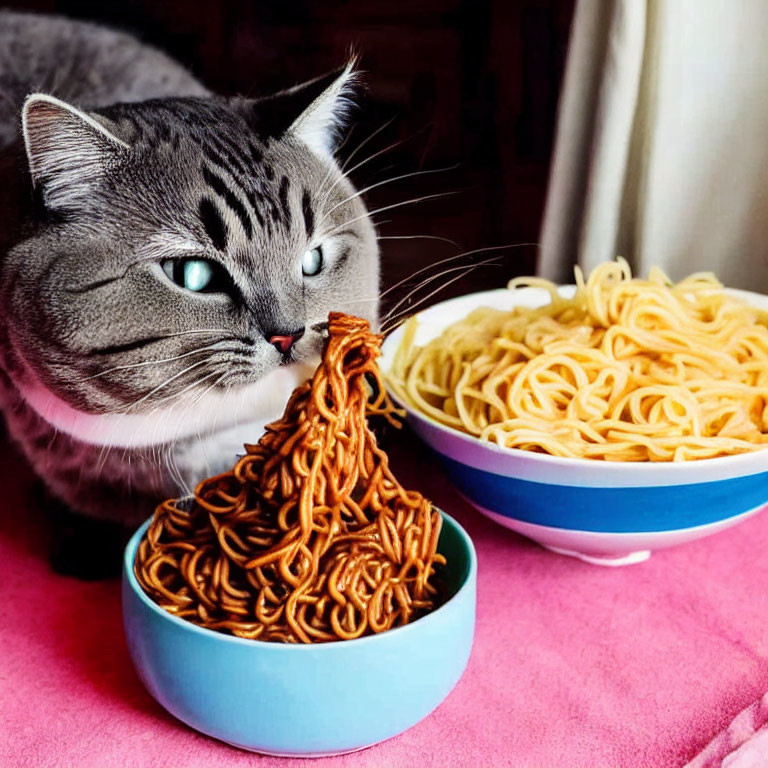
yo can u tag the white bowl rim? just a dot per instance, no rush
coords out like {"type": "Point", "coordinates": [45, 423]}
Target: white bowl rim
{"type": "Point", "coordinates": [275, 647]}
{"type": "Point", "coordinates": [475, 300]}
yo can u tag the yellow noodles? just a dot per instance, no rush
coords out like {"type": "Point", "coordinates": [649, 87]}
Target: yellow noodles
{"type": "Point", "coordinates": [626, 370]}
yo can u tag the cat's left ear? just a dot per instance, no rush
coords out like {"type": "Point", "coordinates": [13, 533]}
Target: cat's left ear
{"type": "Point", "coordinates": [315, 112]}
{"type": "Point", "coordinates": [67, 148]}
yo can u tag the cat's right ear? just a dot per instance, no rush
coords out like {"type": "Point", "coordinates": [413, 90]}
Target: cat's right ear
{"type": "Point", "coordinates": [67, 149]}
{"type": "Point", "coordinates": [314, 112]}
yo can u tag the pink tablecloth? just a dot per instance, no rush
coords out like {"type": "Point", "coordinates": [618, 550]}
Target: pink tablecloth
{"type": "Point", "coordinates": [573, 665]}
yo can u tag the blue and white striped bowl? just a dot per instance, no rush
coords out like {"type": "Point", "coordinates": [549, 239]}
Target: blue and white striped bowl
{"type": "Point", "coordinates": [610, 513]}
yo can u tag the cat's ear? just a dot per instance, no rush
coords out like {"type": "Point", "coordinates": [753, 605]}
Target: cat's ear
{"type": "Point", "coordinates": [321, 122]}
{"type": "Point", "coordinates": [67, 149]}
{"type": "Point", "coordinates": [314, 112]}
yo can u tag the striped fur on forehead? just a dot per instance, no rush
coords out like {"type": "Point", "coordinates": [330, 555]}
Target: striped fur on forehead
{"type": "Point", "coordinates": [220, 133]}
{"type": "Point", "coordinates": [239, 182]}
{"type": "Point", "coordinates": [251, 181]}
{"type": "Point", "coordinates": [253, 201]}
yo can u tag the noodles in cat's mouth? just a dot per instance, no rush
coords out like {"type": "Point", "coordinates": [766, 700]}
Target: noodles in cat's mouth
{"type": "Point", "coordinates": [309, 538]}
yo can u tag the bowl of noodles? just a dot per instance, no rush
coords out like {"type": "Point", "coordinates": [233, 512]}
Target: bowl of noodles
{"type": "Point", "coordinates": [304, 603]}
{"type": "Point", "coordinates": [604, 419]}
{"type": "Point", "coordinates": [305, 700]}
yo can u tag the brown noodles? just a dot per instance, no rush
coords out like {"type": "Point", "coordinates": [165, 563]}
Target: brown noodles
{"type": "Point", "coordinates": [310, 538]}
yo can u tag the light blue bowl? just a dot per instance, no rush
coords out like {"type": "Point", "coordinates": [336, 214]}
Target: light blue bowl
{"type": "Point", "coordinates": [305, 700]}
{"type": "Point", "coordinates": [604, 512]}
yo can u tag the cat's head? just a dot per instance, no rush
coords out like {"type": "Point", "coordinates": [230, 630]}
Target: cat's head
{"type": "Point", "coordinates": [183, 246]}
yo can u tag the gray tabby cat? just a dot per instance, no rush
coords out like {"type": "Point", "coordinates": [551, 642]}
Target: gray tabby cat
{"type": "Point", "coordinates": [165, 256]}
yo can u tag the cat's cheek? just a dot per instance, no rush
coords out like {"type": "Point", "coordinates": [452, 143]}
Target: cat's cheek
{"type": "Point", "coordinates": [259, 402]}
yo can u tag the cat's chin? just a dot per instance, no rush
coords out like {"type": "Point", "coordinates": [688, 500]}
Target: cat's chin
{"type": "Point", "coordinates": [255, 403]}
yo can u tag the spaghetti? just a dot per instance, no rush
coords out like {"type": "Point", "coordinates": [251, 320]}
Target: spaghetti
{"type": "Point", "coordinates": [310, 538]}
{"type": "Point", "coordinates": [624, 370]}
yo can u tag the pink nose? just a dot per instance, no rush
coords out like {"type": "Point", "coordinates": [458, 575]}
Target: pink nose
{"type": "Point", "coordinates": [284, 341]}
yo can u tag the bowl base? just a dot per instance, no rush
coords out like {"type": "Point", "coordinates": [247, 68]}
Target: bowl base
{"type": "Point", "coordinates": [304, 755]}
{"type": "Point", "coordinates": [605, 548]}
{"type": "Point", "coordinates": [611, 560]}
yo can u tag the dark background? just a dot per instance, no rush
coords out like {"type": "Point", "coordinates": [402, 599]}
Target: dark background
{"type": "Point", "coordinates": [469, 85]}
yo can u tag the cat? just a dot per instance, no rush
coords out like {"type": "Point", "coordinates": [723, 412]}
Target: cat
{"type": "Point", "coordinates": [167, 258]}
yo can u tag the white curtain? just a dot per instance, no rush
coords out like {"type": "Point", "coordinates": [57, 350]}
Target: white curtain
{"type": "Point", "coordinates": [661, 150]}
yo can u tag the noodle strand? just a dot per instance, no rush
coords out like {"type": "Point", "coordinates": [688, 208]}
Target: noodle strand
{"type": "Point", "coordinates": [625, 370]}
{"type": "Point", "coordinates": [310, 537]}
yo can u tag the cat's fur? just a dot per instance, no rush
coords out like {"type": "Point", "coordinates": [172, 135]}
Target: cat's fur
{"type": "Point", "coordinates": [120, 385]}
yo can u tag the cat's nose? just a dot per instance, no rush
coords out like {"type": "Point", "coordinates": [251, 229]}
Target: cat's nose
{"type": "Point", "coordinates": [284, 341]}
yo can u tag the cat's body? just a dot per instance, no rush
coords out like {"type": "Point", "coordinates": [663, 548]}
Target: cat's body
{"type": "Point", "coordinates": [80, 63]}
{"type": "Point", "coordinates": [163, 262]}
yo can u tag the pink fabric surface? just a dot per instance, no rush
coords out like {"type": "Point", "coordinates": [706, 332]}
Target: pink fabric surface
{"type": "Point", "coordinates": [573, 665]}
{"type": "Point", "coordinates": [743, 744]}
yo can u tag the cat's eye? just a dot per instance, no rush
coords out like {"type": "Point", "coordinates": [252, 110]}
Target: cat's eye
{"type": "Point", "coordinates": [197, 275]}
{"type": "Point", "coordinates": [312, 261]}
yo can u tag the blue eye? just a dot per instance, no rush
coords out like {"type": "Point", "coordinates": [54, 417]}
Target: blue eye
{"type": "Point", "coordinates": [312, 262]}
{"type": "Point", "coordinates": [196, 275]}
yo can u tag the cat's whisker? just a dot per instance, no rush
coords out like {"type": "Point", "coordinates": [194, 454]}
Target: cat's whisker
{"type": "Point", "coordinates": [219, 411]}
{"type": "Point", "coordinates": [343, 143]}
{"type": "Point", "coordinates": [342, 167]}
{"type": "Point", "coordinates": [195, 399]}
{"type": "Point", "coordinates": [162, 446]}
{"type": "Point", "coordinates": [165, 383]}
{"type": "Point", "coordinates": [366, 300]}
{"type": "Point", "coordinates": [365, 141]}
{"type": "Point", "coordinates": [175, 473]}
{"type": "Point", "coordinates": [107, 446]}
{"type": "Point", "coordinates": [182, 393]}
{"type": "Point", "coordinates": [437, 276]}
{"type": "Point", "coordinates": [346, 172]}
{"type": "Point", "coordinates": [223, 373]}
{"type": "Point", "coordinates": [101, 460]}
{"type": "Point", "coordinates": [221, 378]}
{"type": "Point", "coordinates": [153, 362]}
{"type": "Point", "coordinates": [412, 201]}
{"type": "Point", "coordinates": [196, 331]}
{"type": "Point", "coordinates": [452, 258]}
{"type": "Point", "coordinates": [379, 153]}
{"type": "Point", "coordinates": [198, 350]}
{"type": "Point", "coordinates": [391, 180]}
{"type": "Point", "coordinates": [394, 321]}
{"type": "Point", "coordinates": [424, 269]}
{"type": "Point", "coordinates": [418, 237]}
